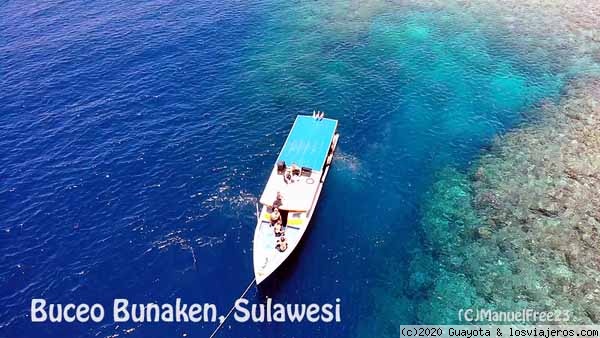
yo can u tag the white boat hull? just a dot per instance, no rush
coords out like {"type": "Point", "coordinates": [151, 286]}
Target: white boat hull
{"type": "Point", "coordinates": [267, 259]}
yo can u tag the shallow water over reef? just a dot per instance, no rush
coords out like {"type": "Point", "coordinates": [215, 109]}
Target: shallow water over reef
{"type": "Point", "coordinates": [136, 145]}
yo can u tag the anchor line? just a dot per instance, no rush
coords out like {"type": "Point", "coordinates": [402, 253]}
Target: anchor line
{"type": "Point", "coordinates": [232, 308]}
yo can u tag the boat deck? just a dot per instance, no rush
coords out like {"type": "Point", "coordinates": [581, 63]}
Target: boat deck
{"type": "Point", "coordinates": [309, 147]}
{"type": "Point", "coordinates": [298, 195]}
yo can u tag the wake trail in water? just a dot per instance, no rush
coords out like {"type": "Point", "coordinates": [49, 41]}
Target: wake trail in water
{"type": "Point", "coordinates": [350, 165]}
{"type": "Point", "coordinates": [228, 197]}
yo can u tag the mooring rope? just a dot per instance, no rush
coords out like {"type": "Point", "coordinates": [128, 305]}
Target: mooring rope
{"type": "Point", "coordinates": [232, 308]}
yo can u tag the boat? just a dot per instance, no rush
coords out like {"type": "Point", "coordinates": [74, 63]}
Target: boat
{"type": "Point", "coordinates": [293, 187]}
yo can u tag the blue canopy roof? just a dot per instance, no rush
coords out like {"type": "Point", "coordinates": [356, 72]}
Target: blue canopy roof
{"type": "Point", "coordinates": [308, 143]}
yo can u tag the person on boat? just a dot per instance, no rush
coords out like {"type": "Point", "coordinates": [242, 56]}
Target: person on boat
{"type": "Point", "coordinates": [295, 169]}
{"type": "Point", "coordinates": [279, 229]}
{"type": "Point", "coordinates": [287, 177]}
{"type": "Point", "coordinates": [281, 244]}
{"type": "Point", "coordinates": [277, 203]}
{"type": "Point", "coordinates": [321, 115]}
{"type": "Point", "coordinates": [275, 217]}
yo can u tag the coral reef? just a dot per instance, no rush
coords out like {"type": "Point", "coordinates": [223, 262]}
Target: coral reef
{"type": "Point", "coordinates": [521, 230]}
{"type": "Point", "coordinates": [567, 26]}
{"type": "Point", "coordinates": [546, 179]}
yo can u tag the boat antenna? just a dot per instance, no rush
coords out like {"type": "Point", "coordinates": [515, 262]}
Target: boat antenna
{"type": "Point", "coordinates": [232, 308]}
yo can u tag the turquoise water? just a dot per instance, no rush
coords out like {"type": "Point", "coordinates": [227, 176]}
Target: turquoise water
{"type": "Point", "coordinates": [136, 145]}
{"type": "Point", "coordinates": [415, 91]}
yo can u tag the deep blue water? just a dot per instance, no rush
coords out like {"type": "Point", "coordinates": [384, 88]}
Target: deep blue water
{"type": "Point", "coordinates": [135, 137]}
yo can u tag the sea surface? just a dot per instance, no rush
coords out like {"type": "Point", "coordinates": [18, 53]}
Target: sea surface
{"type": "Point", "coordinates": [136, 137]}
